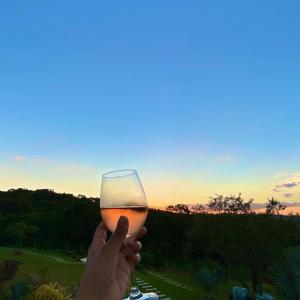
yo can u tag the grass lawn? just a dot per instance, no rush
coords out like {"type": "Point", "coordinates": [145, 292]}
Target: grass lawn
{"type": "Point", "coordinates": [179, 293]}
{"type": "Point", "coordinates": [222, 292]}
{"type": "Point", "coordinates": [68, 274]}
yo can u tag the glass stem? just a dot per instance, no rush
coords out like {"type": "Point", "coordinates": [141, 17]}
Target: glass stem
{"type": "Point", "coordinates": [134, 290]}
{"type": "Point", "coordinates": [133, 282]}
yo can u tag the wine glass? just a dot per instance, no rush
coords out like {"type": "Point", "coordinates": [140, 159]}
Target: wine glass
{"type": "Point", "coordinates": [122, 194]}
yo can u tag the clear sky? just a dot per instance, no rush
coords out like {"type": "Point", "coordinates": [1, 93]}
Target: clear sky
{"type": "Point", "coordinates": [201, 97]}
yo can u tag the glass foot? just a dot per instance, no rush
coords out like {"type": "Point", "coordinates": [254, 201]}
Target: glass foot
{"type": "Point", "coordinates": [135, 293]}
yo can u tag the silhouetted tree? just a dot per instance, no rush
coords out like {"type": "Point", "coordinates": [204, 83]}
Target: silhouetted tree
{"type": "Point", "coordinates": [217, 204]}
{"type": "Point", "coordinates": [199, 209]}
{"type": "Point", "coordinates": [274, 206]}
{"type": "Point", "coordinates": [230, 204]}
{"type": "Point", "coordinates": [179, 208]}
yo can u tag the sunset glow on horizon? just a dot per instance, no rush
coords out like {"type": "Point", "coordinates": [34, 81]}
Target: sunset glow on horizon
{"type": "Point", "coordinates": [161, 188]}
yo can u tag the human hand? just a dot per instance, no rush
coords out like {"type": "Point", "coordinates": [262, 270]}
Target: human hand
{"type": "Point", "coordinates": [109, 264]}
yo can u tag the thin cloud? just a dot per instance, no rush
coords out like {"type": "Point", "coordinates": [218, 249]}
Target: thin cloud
{"type": "Point", "coordinates": [289, 182]}
{"type": "Point", "coordinates": [287, 185]}
{"type": "Point", "coordinates": [19, 157]}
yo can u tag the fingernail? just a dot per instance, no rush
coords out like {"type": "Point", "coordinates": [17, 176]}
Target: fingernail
{"type": "Point", "coordinates": [140, 244]}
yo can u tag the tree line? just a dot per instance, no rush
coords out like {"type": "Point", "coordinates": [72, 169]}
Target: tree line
{"type": "Point", "coordinates": [228, 205]}
{"type": "Point", "coordinates": [43, 218]}
{"type": "Point", "coordinates": [246, 245]}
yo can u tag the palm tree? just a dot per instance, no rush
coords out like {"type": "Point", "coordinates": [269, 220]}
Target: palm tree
{"type": "Point", "coordinates": [287, 275]}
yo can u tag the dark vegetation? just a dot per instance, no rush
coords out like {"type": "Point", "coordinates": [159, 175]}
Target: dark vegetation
{"type": "Point", "coordinates": [46, 219]}
{"type": "Point", "coordinates": [233, 243]}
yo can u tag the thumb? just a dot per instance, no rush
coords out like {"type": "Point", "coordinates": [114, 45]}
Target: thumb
{"type": "Point", "coordinates": [119, 235]}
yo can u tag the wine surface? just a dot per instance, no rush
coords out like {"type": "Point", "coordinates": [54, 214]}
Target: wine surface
{"type": "Point", "coordinates": [136, 215]}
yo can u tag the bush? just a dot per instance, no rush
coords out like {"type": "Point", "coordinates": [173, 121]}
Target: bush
{"type": "Point", "coordinates": [8, 270]}
{"type": "Point", "coordinates": [51, 291]}
{"type": "Point", "coordinates": [17, 291]}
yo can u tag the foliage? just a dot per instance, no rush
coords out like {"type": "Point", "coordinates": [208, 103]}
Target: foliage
{"type": "Point", "coordinates": [274, 206]}
{"type": "Point", "coordinates": [38, 219]}
{"type": "Point", "coordinates": [179, 208]}
{"type": "Point", "coordinates": [209, 276]}
{"type": "Point", "coordinates": [35, 280]}
{"type": "Point", "coordinates": [287, 275]}
{"type": "Point", "coordinates": [18, 290]}
{"type": "Point", "coordinates": [199, 209]}
{"type": "Point", "coordinates": [8, 270]}
{"type": "Point", "coordinates": [16, 231]}
{"type": "Point", "coordinates": [51, 291]}
{"type": "Point", "coordinates": [40, 278]}
{"type": "Point", "coordinates": [230, 204]}
{"type": "Point", "coordinates": [238, 240]}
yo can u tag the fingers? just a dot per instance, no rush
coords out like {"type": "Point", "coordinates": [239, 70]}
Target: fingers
{"type": "Point", "coordinates": [135, 259]}
{"type": "Point", "coordinates": [141, 233]}
{"type": "Point", "coordinates": [131, 253]}
{"type": "Point", "coordinates": [131, 240]}
{"type": "Point", "coordinates": [136, 237]}
{"type": "Point", "coordinates": [131, 248]}
{"type": "Point", "coordinates": [136, 247]}
{"type": "Point", "coordinates": [132, 245]}
{"type": "Point", "coordinates": [99, 239]}
{"type": "Point", "coordinates": [118, 237]}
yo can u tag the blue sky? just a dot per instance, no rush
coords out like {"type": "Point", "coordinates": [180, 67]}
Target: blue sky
{"type": "Point", "coordinates": [200, 97]}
